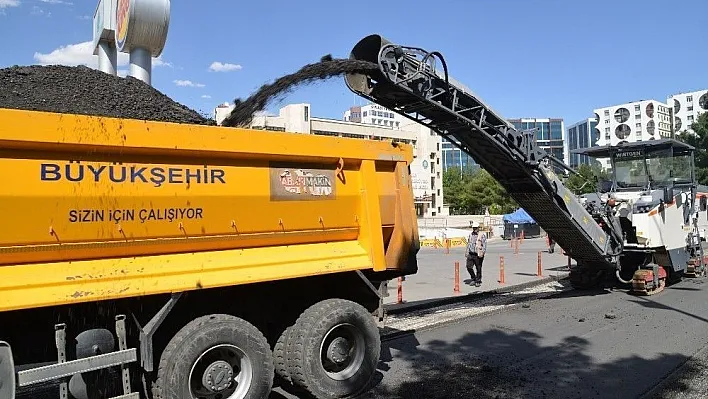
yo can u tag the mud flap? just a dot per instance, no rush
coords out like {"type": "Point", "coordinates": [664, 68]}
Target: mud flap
{"type": "Point", "coordinates": [7, 372]}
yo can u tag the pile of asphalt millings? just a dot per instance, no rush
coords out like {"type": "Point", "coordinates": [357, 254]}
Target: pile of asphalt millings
{"type": "Point", "coordinates": [242, 114]}
{"type": "Point", "coordinates": [85, 91]}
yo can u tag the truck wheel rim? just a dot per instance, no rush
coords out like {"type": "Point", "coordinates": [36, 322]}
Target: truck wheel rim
{"type": "Point", "coordinates": [221, 372]}
{"type": "Point", "coordinates": [342, 351]}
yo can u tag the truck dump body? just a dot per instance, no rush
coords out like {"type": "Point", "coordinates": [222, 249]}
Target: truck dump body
{"type": "Point", "coordinates": [99, 208]}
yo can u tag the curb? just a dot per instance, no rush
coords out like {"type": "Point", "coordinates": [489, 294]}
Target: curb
{"type": "Point", "coordinates": [396, 309]}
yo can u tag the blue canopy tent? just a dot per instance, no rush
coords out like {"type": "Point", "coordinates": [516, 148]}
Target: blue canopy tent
{"type": "Point", "coordinates": [519, 222]}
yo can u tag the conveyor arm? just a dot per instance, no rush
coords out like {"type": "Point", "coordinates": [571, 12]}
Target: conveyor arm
{"type": "Point", "coordinates": [408, 83]}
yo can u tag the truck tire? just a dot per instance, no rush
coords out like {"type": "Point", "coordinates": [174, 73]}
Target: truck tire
{"type": "Point", "coordinates": [279, 357]}
{"type": "Point", "coordinates": [215, 356]}
{"type": "Point", "coordinates": [333, 349]}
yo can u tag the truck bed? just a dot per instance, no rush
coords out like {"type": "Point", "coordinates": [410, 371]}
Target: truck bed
{"type": "Point", "coordinates": [97, 208]}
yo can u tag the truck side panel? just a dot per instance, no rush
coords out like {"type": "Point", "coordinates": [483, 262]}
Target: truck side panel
{"type": "Point", "coordinates": [98, 208]}
{"type": "Point", "coordinates": [248, 203]}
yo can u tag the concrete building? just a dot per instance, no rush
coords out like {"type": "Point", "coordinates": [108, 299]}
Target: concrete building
{"type": "Point", "coordinates": [374, 114]}
{"type": "Point", "coordinates": [583, 134]}
{"type": "Point", "coordinates": [426, 168]}
{"type": "Point", "coordinates": [633, 121]}
{"type": "Point", "coordinates": [687, 108]}
{"type": "Point", "coordinates": [550, 135]}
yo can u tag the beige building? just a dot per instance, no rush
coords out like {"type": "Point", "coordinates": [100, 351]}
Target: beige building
{"type": "Point", "coordinates": [426, 168]}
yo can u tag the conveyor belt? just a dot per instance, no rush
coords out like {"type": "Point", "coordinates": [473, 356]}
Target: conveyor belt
{"type": "Point", "coordinates": [408, 83]}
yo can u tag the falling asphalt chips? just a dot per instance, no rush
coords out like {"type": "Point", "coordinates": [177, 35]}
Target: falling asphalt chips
{"type": "Point", "coordinates": [85, 91]}
{"type": "Point", "coordinates": [327, 67]}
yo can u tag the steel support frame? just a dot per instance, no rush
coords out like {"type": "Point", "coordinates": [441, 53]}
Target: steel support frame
{"type": "Point", "coordinates": [396, 63]}
{"type": "Point", "coordinates": [7, 371]}
{"type": "Point", "coordinates": [64, 369]}
{"type": "Point", "coordinates": [148, 331]}
{"type": "Point", "coordinates": [379, 292]}
{"type": "Point", "coordinates": [412, 87]}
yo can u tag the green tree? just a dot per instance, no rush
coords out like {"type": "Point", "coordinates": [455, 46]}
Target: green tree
{"type": "Point", "coordinates": [699, 140]}
{"type": "Point", "coordinates": [472, 191]}
{"type": "Point", "coordinates": [584, 180]}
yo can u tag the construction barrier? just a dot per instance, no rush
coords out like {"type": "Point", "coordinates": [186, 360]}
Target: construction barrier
{"type": "Point", "coordinates": [400, 290]}
{"type": "Point", "coordinates": [539, 273]}
{"type": "Point", "coordinates": [456, 288]}
{"type": "Point", "coordinates": [458, 242]}
{"type": "Point", "coordinates": [448, 243]}
{"type": "Point", "coordinates": [431, 243]}
{"type": "Point", "coordinates": [501, 270]}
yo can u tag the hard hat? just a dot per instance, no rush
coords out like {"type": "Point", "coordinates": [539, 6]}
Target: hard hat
{"type": "Point", "coordinates": [475, 225]}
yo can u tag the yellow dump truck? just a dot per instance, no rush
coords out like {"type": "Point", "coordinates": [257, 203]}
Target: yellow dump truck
{"type": "Point", "coordinates": [190, 261]}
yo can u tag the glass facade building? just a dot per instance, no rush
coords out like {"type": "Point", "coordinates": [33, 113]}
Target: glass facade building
{"type": "Point", "coordinates": [583, 134]}
{"type": "Point", "coordinates": [453, 157]}
{"type": "Point", "coordinates": [550, 134]}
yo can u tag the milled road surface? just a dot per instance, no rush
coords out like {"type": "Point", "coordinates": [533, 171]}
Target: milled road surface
{"type": "Point", "coordinates": [601, 344]}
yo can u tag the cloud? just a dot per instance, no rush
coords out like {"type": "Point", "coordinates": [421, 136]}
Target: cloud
{"type": "Point", "coordinates": [217, 66]}
{"type": "Point", "coordinates": [187, 83]}
{"type": "Point", "coordinates": [84, 17]}
{"type": "Point", "coordinates": [40, 11]}
{"type": "Point", "coordinates": [158, 62]}
{"type": "Point", "coordinates": [82, 54]}
{"type": "Point", "coordinates": [9, 3]}
{"type": "Point", "coordinates": [68, 3]}
{"type": "Point", "coordinates": [206, 96]}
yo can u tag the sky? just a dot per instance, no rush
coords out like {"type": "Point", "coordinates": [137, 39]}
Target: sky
{"type": "Point", "coordinates": [525, 58]}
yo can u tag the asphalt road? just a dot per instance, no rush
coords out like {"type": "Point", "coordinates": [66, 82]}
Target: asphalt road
{"type": "Point", "coordinates": [600, 344]}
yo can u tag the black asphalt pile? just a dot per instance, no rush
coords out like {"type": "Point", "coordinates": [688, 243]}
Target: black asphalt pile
{"type": "Point", "coordinates": [328, 67]}
{"type": "Point", "coordinates": [86, 91]}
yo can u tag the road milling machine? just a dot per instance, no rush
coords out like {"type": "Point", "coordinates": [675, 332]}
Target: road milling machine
{"type": "Point", "coordinates": [643, 231]}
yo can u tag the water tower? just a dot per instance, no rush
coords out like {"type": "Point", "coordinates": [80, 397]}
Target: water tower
{"type": "Point", "coordinates": [136, 27]}
{"type": "Point", "coordinates": [104, 44]}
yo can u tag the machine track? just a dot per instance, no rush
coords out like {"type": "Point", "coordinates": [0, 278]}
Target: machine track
{"type": "Point", "coordinates": [643, 282]}
{"type": "Point", "coordinates": [695, 268]}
